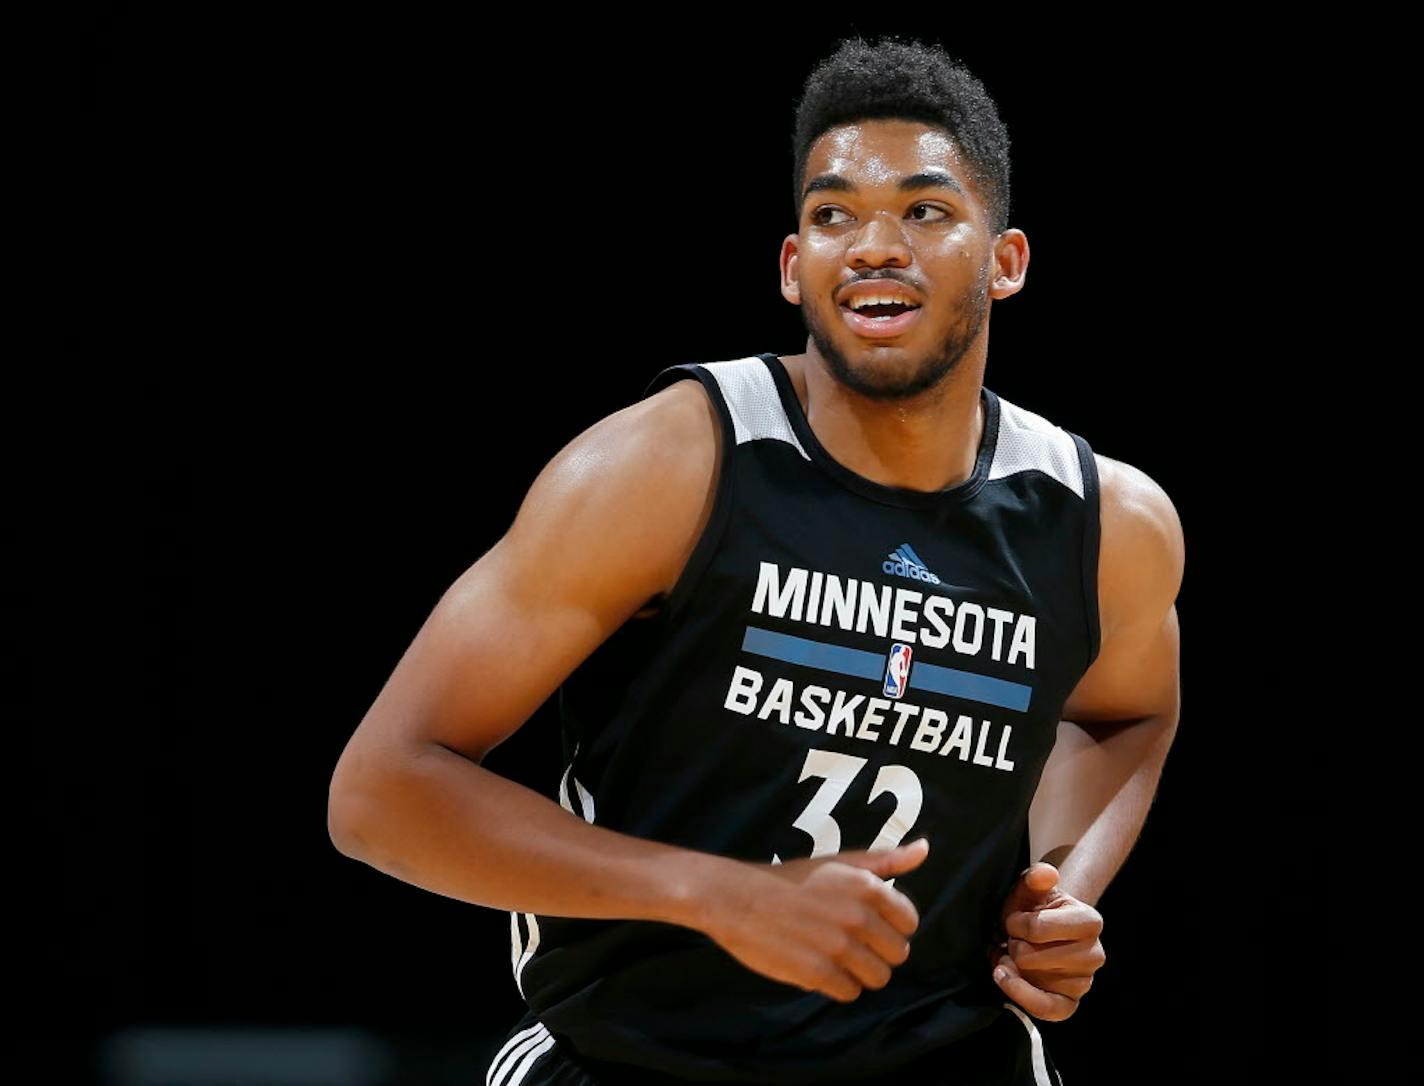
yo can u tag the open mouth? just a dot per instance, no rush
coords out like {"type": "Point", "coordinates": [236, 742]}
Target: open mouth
{"type": "Point", "coordinates": [882, 309]}
{"type": "Point", "coordinates": [881, 319]}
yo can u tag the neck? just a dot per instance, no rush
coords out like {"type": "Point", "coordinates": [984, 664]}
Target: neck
{"type": "Point", "coordinates": [928, 442]}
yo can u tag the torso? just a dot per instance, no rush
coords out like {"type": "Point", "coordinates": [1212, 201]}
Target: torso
{"type": "Point", "coordinates": [793, 363]}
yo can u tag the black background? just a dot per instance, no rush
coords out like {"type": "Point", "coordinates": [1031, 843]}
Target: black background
{"type": "Point", "coordinates": [364, 278]}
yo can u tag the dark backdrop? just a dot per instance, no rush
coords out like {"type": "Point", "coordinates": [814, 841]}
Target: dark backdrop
{"type": "Point", "coordinates": [369, 276]}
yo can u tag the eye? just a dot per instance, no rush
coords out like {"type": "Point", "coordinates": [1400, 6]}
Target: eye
{"type": "Point", "coordinates": [932, 207]}
{"type": "Point", "coordinates": [826, 209]}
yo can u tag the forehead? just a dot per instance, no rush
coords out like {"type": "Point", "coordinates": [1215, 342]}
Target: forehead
{"type": "Point", "coordinates": [880, 152]}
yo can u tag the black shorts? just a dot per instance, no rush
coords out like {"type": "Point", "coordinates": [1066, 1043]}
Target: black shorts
{"type": "Point", "coordinates": [532, 1056]}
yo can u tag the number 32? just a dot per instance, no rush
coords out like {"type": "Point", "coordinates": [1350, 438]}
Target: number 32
{"type": "Point", "coordinates": [838, 771]}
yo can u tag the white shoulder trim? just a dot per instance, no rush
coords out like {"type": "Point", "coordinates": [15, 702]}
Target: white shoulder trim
{"type": "Point", "coordinates": [755, 406]}
{"type": "Point", "coordinates": [1028, 441]}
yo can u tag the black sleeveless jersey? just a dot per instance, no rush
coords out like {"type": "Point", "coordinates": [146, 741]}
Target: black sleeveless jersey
{"type": "Point", "coordinates": [841, 665]}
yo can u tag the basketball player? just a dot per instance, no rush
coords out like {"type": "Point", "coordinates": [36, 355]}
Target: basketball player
{"type": "Point", "coordinates": [813, 622]}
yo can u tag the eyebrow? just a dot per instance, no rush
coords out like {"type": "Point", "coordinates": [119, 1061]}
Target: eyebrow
{"type": "Point", "coordinates": [926, 179]}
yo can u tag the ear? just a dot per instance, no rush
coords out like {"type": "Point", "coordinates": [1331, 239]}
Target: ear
{"type": "Point", "coordinates": [790, 286]}
{"type": "Point", "coordinates": [1010, 263]}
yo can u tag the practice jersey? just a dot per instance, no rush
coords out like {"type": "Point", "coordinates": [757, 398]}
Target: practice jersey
{"type": "Point", "coordinates": [841, 665]}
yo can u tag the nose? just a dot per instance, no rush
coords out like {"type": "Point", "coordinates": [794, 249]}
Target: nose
{"type": "Point", "coordinates": [879, 241]}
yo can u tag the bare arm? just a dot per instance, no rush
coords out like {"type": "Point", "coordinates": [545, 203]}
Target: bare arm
{"type": "Point", "coordinates": [1099, 782]}
{"type": "Point", "coordinates": [449, 825]}
{"type": "Point", "coordinates": [606, 526]}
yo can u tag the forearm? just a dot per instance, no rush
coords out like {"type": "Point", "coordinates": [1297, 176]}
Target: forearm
{"type": "Point", "coordinates": [448, 825]}
{"type": "Point", "coordinates": [1093, 798]}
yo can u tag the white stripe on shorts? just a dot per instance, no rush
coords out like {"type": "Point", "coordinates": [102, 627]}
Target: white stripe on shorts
{"type": "Point", "coordinates": [1041, 1076]}
{"type": "Point", "coordinates": [531, 1043]}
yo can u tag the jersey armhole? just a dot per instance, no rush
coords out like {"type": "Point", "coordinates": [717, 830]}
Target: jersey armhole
{"type": "Point", "coordinates": [1092, 540]}
{"type": "Point", "coordinates": [712, 532]}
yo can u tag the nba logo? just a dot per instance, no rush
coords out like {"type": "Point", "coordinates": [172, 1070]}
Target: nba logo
{"type": "Point", "coordinates": [897, 671]}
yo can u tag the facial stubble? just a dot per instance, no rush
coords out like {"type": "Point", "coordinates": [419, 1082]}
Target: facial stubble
{"type": "Point", "coordinates": [881, 383]}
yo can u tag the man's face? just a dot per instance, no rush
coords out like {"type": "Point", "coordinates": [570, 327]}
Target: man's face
{"type": "Point", "coordinates": [860, 230]}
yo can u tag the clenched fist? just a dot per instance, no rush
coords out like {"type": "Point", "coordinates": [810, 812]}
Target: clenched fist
{"type": "Point", "coordinates": [1051, 946]}
{"type": "Point", "coordinates": [827, 924]}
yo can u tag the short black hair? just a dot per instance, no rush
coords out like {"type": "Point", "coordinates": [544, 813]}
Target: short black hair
{"type": "Point", "coordinates": [908, 80]}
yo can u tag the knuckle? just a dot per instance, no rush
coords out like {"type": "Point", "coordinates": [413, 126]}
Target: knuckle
{"type": "Point", "coordinates": [838, 985]}
{"type": "Point", "coordinates": [913, 913]}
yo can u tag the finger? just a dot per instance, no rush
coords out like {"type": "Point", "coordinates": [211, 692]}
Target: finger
{"type": "Point", "coordinates": [1049, 1006]}
{"type": "Point", "coordinates": [1041, 876]}
{"type": "Point", "coordinates": [886, 862]}
{"type": "Point", "coordinates": [1055, 924]}
{"type": "Point", "coordinates": [1074, 986]}
{"type": "Point", "coordinates": [1078, 956]}
{"type": "Point", "coordinates": [869, 970]}
{"type": "Point", "coordinates": [882, 939]}
{"type": "Point", "coordinates": [898, 910]}
{"type": "Point", "coordinates": [898, 860]}
{"type": "Point", "coordinates": [1036, 887]}
{"type": "Point", "coordinates": [837, 983]}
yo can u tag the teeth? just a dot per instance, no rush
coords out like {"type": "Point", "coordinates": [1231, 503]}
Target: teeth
{"type": "Point", "coordinates": [863, 300]}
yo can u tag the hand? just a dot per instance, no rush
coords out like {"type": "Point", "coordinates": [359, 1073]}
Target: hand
{"type": "Point", "coordinates": [828, 924]}
{"type": "Point", "coordinates": [1051, 950]}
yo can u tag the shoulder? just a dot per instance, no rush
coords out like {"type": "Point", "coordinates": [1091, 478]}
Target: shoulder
{"type": "Point", "coordinates": [682, 406]}
{"type": "Point", "coordinates": [655, 465]}
{"type": "Point", "coordinates": [668, 436]}
{"type": "Point", "coordinates": [1142, 550]}
{"type": "Point", "coordinates": [680, 422]}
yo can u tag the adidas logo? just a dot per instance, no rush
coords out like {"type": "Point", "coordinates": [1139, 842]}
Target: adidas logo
{"type": "Point", "coordinates": [904, 562]}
